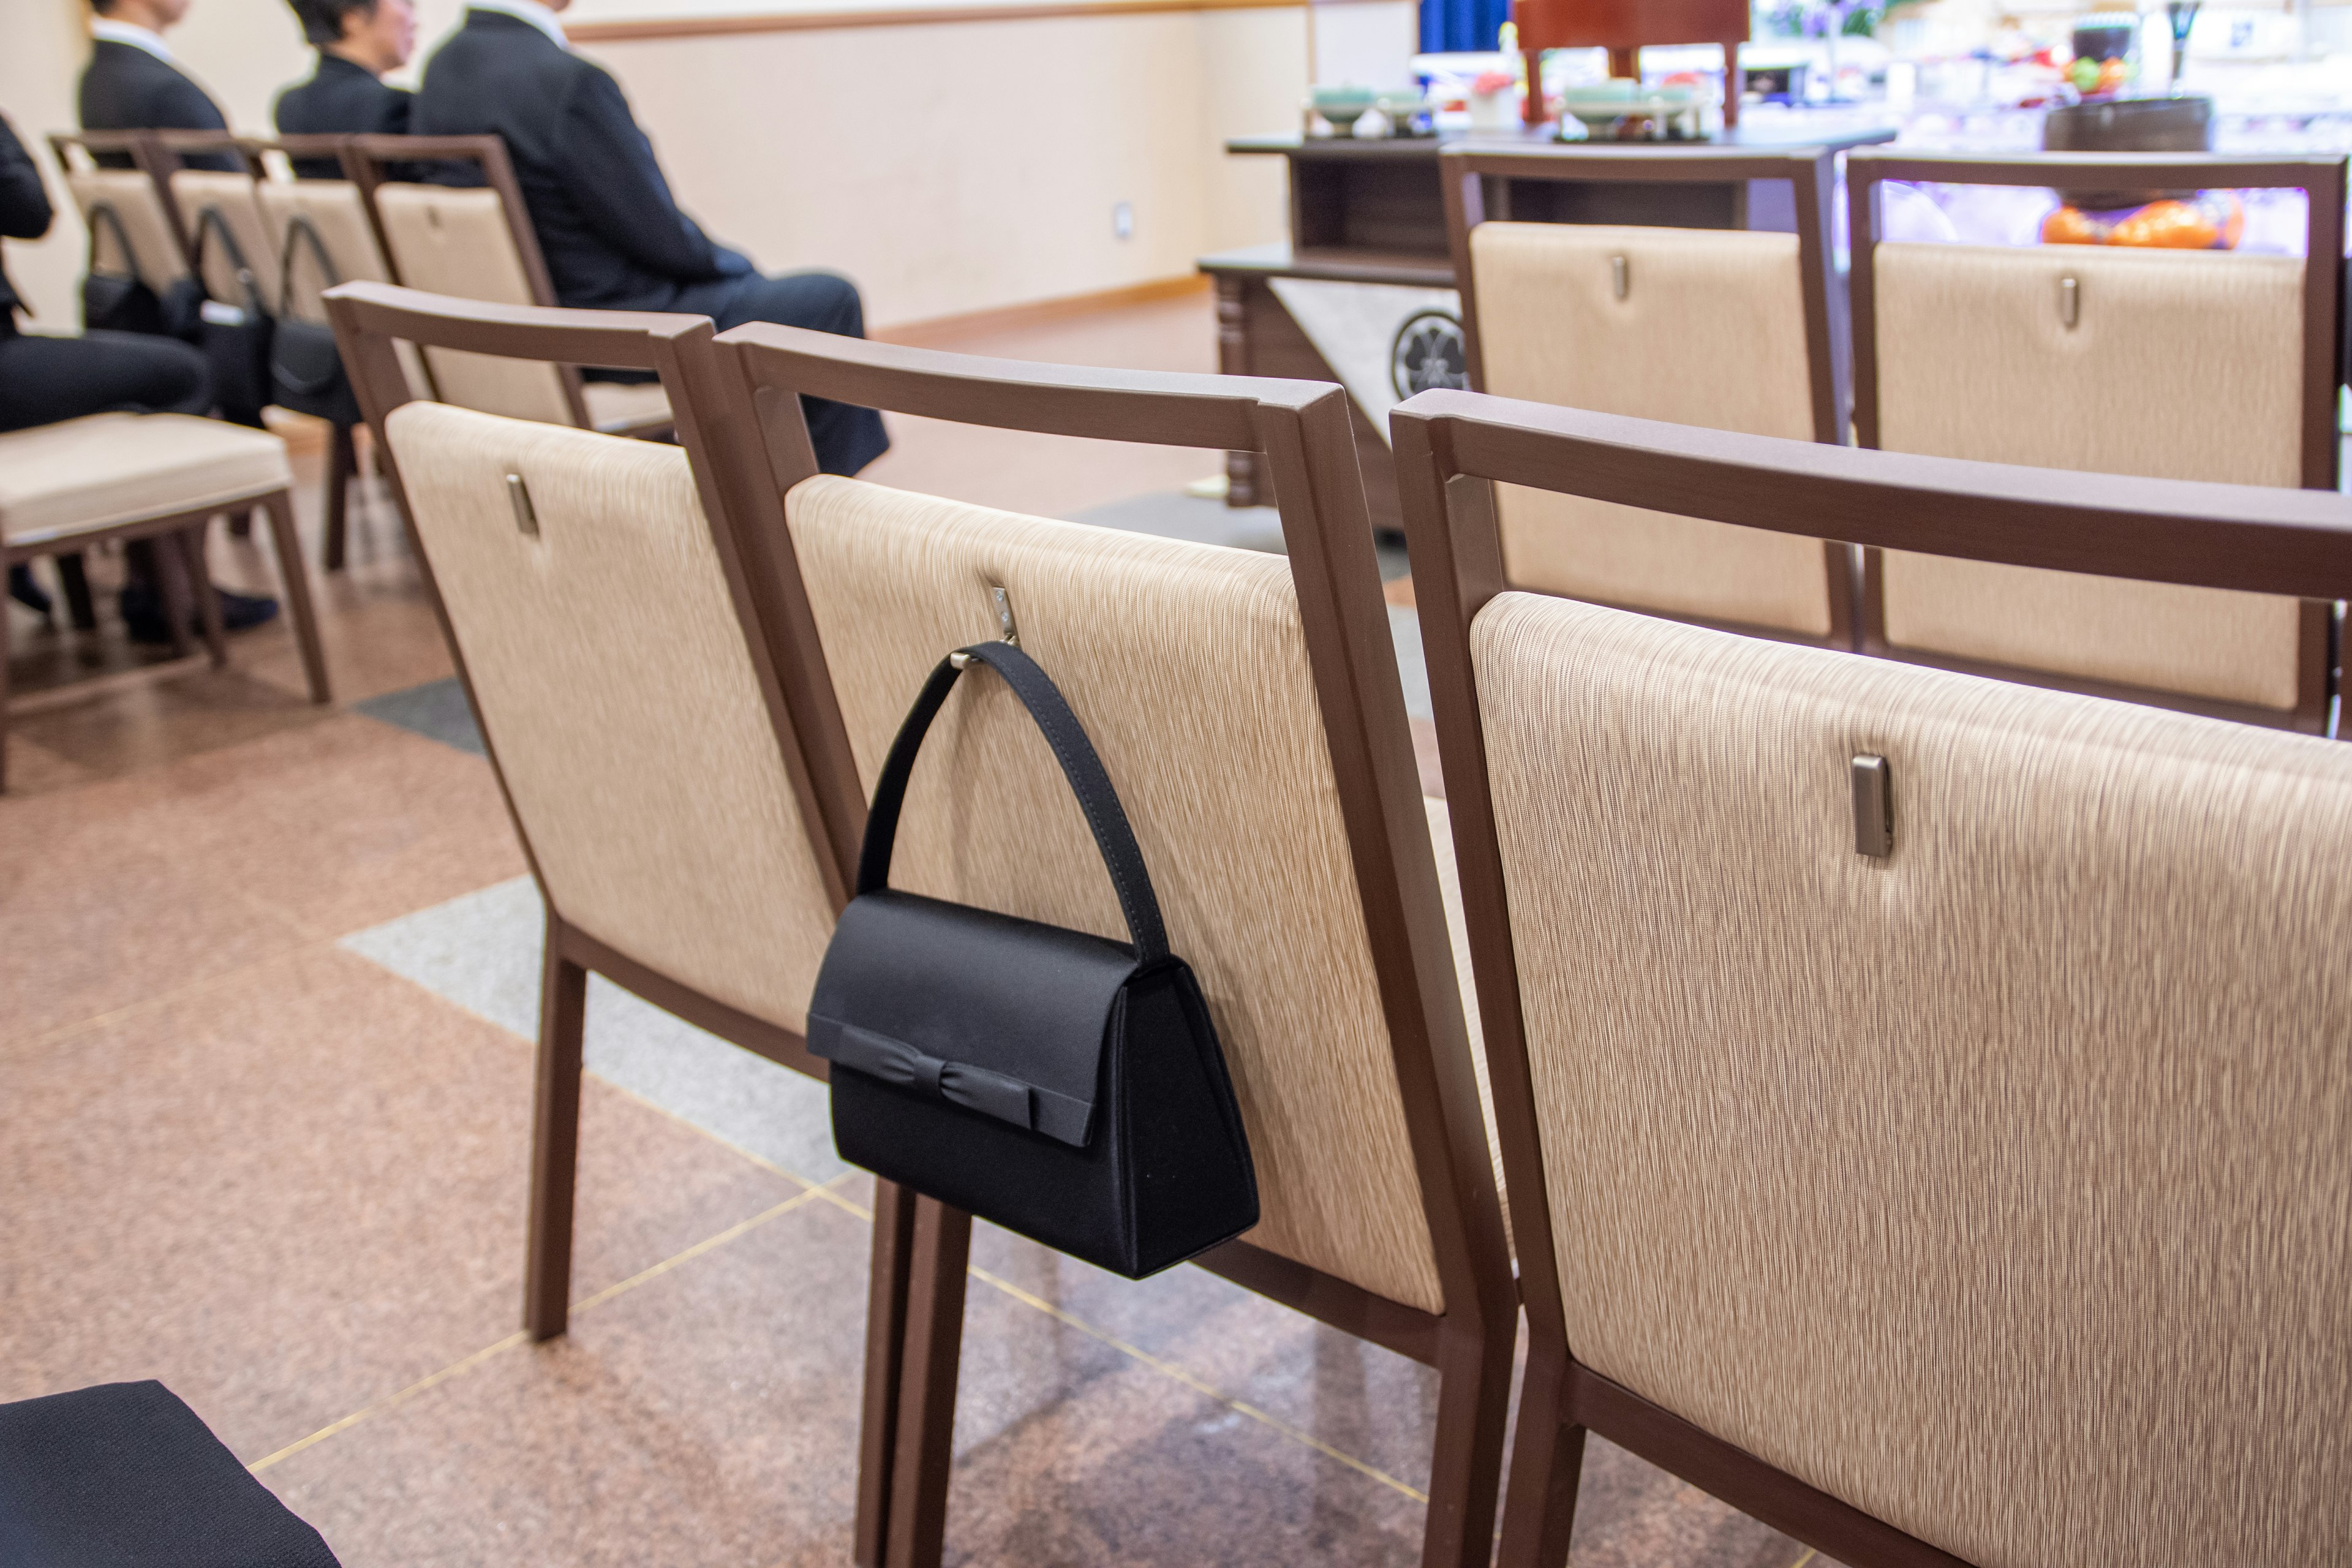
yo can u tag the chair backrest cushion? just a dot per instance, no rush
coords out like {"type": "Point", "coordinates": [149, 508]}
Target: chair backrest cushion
{"type": "Point", "coordinates": [1997, 1186]}
{"type": "Point", "coordinates": [620, 699]}
{"type": "Point", "coordinates": [132, 196]}
{"type": "Point", "coordinates": [1188, 666]}
{"type": "Point", "coordinates": [2185, 365]}
{"type": "Point", "coordinates": [234, 197]}
{"type": "Point", "coordinates": [336, 211]}
{"type": "Point", "coordinates": [1710, 331]}
{"type": "Point", "coordinates": [456, 242]}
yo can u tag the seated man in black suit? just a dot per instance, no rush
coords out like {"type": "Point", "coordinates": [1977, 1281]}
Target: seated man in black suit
{"type": "Point", "coordinates": [133, 84]}
{"type": "Point", "coordinates": [612, 234]}
{"type": "Point", "coordinates": [358, 41]}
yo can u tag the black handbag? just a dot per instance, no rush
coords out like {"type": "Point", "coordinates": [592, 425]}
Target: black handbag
{"type": "Point", "coordinates": [117, 302]}
{"type": "Point", "coordinates": [234, 335]}
{"type": "Point", "coordinates": [1056, 1083]}
{"type": "Point", "coordinates": [306, 370]}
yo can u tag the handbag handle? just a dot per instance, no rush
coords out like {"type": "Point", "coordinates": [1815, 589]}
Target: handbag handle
{"type": "Point", "coordinates": [299, 223]}
{"type": "Point", "coordinates": [210, 222]}
{"type": "Point", "coordinates": [1107, 819]}
{"type": "Point", "coordinates": [113, 220]}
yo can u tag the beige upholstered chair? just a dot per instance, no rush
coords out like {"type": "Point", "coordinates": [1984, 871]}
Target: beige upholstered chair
{"type": "Point", "coordinates": [599, 608]}
{"type": "Point", "coordinates": [234, 200]}
{"type": "Point", "coordinates": [135, 476]}
{"type": "Point", "coordinates": [123, 211]}
{"type": "Point", "coordinates": [1924, 1098]}
{"type": "Point", "coordinates": [324, 235]}
{"type": "Point", "coordinates": [2177, 364]}
{"type": "Point", "coordinates": [133, 233]}
{"type": "Point", "coordinates": [475, 243]}
{"type": "Point", "coordinates": [1730, 329]}
{"type": "Point", "coordinates": [1248, 710]}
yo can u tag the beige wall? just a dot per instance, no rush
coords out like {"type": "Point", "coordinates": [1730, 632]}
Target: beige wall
{"type": "Point", "coordinates": [981, 160]}
{"type": "Point", "coordinates": [948, 167]}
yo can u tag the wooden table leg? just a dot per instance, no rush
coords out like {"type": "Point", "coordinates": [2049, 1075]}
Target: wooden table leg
{"type": "Point", "coordinates": [1234, 359]}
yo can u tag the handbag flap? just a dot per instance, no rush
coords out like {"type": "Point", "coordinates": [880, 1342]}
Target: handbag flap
{"type": "Point", "coordinates": [1003, 1016]}
{"type": "Point", "coordinates": [303, 358]}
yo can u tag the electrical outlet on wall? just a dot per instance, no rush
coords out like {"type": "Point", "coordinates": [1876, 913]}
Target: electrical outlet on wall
{"type": "Point", "coordinates": [1122, 219]}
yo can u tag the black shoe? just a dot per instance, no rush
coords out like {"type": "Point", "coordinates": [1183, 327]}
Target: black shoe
{"type": "Point", "coordinates": [28, 593]}
{"type": "Point", "coordinates": [144, 618]}
{"type": "Point", "coordinates": [243, 612]}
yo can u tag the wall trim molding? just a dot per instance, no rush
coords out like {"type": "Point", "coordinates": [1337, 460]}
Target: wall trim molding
{"type": "Point", "coordinates": [946, 332]}
{"type": "Point", "coordinates": [907, 16]}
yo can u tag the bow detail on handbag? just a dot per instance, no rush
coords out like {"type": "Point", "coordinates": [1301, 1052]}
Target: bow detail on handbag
{"type": "Point", "coordinates": [975, 1088]}
{"type": "Point", "coordinates": [959, 1083]}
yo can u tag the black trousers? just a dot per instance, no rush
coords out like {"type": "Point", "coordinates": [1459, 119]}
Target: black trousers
{"type": "Point", "coordinates": [845, 437]}
{"type": "Point", "coordinates": [46, 380]}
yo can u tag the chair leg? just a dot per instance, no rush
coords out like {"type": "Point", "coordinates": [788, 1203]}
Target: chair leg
{"type": "Point", "coordinates": [200, 583]}
{"type": "Point", "coordinates": [1546, 1461]}
{"type": "Point", "coordinates": [73, 579]}
{"type": "Point", "coordinates": [555, 1142]}
{"type": "Point", "coordinates": [290, 571]}
{"type": "Point", "coordinates": [343, 462]}
{"type": "Point", "coordinates": [885, 1333]}
{"type": "Point", "coordinates": [171, 568]}
{"type": "Point", "coordinates": [4, 699]}
{"type": "Point", "coordinates": [941, 1251]}
{"type": "Point", "coordinates": [1474, 1404]}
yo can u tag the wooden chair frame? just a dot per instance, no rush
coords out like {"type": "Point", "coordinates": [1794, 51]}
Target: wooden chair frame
{"type": "Point", "coordinates": [342, 450]}
{"type": "Point", "coordinates": [1811, 174]}
{"type": "Point", "coordinates": [1302, 430]}
{"type": "Point", "coordinates": [1451, 447]}
{"type": "Point", "coordinates": [2321, 179]}
{"type": "Point", "coordinates": [184, 584]}
{"type": "Point", "coordinates": [368, 160]}
{"type": "Point", "coordinates": [147, 154]}
{"type": "Point", "coordinates": [343, 148]}
{"type": "Point", "coordinates": [343, 454]}
{"type": "Point", "coordinates": [369, 317]}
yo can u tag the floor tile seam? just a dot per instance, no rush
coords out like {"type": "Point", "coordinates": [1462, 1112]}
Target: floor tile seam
{"type": "Point", "coordinates": [1160, 1364]}
{"type": "Point", "coordinates": [193, 988]}
{"type": "Point", "coordinates": [1181, 1374]}
{"type": "Point", "coordinates": [708, 1244]}
{"type": "Point", "coordinates": [723, 1142]}
{"type": "Point", "coordinates": [511, 1033]}
{"type": "Point", "coordinates": [521, 1336]}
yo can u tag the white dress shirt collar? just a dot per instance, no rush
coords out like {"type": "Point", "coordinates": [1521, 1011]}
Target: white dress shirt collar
{"type": "Point", "coordinates": [531, 11]}
{"type": "Point", "coordinates": [114, 32]}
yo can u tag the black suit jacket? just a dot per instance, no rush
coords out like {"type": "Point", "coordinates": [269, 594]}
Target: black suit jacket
{"type": "Point", "coordinates": [340, 99]}
{"type": "Point", "coordinates": [611, 233]}
{"type": "Point", "coordinates": [127, 89]}
{"type": "Point", "coordinates": [24, 210]}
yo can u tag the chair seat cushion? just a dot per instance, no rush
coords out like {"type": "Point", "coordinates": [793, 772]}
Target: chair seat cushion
{"type": "Point", "coordinates": [123, 1475]}
{"type": "Point", "coordinates": [619, 407]}
{"type": "Point", "coordinates": [83, 475]}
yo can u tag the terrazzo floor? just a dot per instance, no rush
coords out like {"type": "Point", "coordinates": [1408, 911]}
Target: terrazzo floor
{"type": "Point", "coordinates": [272, 976]}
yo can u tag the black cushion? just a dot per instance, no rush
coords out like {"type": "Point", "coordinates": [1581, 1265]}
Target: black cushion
{"type": "Point", "coordinates": [124, 1476]}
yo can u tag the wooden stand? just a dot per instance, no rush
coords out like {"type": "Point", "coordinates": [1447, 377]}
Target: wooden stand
{"type": "Point", "coordinates": [1374, 212]}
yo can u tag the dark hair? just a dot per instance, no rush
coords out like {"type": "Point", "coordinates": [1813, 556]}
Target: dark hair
{"type": "Point", "coordinates": [323, 20]}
